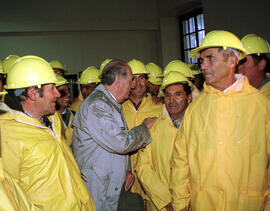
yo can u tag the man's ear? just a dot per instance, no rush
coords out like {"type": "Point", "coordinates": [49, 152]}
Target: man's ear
{"type": "Point", "coordinates": [189, 98]}
{"type": "Point", "coordinates": [233, 60]}
{"type": "Point", "coordinates": [117, 81]}
{"type": "Point", "coordinates": [262, 65]}
{"type": "Point", "coordinates": [32, 93]}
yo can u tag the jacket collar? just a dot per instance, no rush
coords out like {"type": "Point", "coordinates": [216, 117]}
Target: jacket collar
{"type": "Point", "coordinates": [101, 88]}
{"type": "Point", "coordinates": [241, 84]}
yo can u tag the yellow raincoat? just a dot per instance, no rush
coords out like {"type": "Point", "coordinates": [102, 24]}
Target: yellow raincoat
{"type": "Point", "coordinates": [153, 164]}
{"type": "Point", "coordinates": [222, 151]}
{"type": "Point", "coordinates": [265, 90]}
{"type": "Point", "coordinates": [135, 118]}
{"type": "Point", "coordinates": [12, 197]}
{"type": "Point", "coordinates": [67, 128]}
{"type": "Point", "coordinates": [76, 103]}
{"type": "Point", "coordinates": [42, 162]}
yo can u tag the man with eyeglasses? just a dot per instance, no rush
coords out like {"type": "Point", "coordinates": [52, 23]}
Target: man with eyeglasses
{"type": "Point", "coordinates": [257, 62]}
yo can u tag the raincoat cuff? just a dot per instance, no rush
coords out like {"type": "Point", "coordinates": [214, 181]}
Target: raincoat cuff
{"type": "Point", "coordinates": [146, 133]}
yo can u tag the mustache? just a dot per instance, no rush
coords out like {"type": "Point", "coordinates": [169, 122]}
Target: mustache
{"type": "Point", "coordinates": [206, 72]}
{"type": "Point", "coordinates": [173, 104]}
{"type": "Point", "coordinates": [137, 86]}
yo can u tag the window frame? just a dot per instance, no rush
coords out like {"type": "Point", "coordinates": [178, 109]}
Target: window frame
{"type": "Point", "coordinates": [194, 13]}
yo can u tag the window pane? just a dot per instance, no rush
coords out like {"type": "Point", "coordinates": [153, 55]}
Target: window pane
{"type": "Point", "coordinates": [186, 42]}
{"type": "Point", "coordinates": [200, 22]}
{"type": "Point", "coordinates": [201, 36]}
{"type": "Point", "coordinates": [185, 27]}
{"type": "Point", "coordinates": [193, 42]}
{"type": "Point", "coordinates": [187, 58]}
{"type": "Point", "coordinates": [191, 25]}
{"type": "Point", "coordinates": [193, 60]}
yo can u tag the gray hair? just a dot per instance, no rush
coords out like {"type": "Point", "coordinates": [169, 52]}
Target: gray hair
{"type": "Point", "coordinates": [113, 69]}
{"type": "Point", "coordinates": [21, 94]}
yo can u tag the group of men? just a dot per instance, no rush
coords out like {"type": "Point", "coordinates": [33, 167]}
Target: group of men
{"type": "Point", "coordinates": [140, 130]}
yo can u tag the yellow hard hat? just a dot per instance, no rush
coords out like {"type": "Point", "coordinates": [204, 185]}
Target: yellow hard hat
{"type": "Point", "coordinates": [137, 67]}
{"type": "Point", "coordinates": [173, 77]}
{"type": "Point", "coordinates": [178, 66]}
{"type": "Point", "coordinates": [255, 44]}
{"type": "Point", "coordinates": [60, 80]}
{"type": "Point", "coordinates": [220, 38]}
{"type": "Point", "coordinates": [89, 75]}
{"type": "Point", "coordinates": [194, 69]}
{"type": "Point", "coordinates": [103, 64]}
{"type": "Point", "coordinates": [155, 73]}
{"type": "Point", "coordinates": [55, 64]}
{"type": "Point", "coordinates": [8, 62]}
{"type": "Point", "coordinates": [30, 71]}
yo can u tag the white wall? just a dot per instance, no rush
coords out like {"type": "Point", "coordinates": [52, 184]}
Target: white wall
{"type": "Point", "coordinates": [77, 50]}
{"type": "Point", "coordinates": [170, 39]}
{"type": "Point", "coordinates": [80, 33]}
{"type": "Point", "coordinates": [85, 32]}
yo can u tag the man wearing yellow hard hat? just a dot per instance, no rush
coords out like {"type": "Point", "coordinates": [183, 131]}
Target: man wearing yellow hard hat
{"type": "Point", "coordinates": [153, 164]}
{"type": "Point", "coordinates": [221, 153]}
{"type": "Point", "coordinates": [256, 63]}
{"type": "Point", "coordinates": [154, 81]}
{"type": "Point", "coordinates": [62, 106]}
{"type": "Point", "coordinates": [34, 151]}
{"type": "Point", "coordinates": [13, 198]}
{"type": "Point", "coordinates": [58, 67]}
{"type": "Point", "coordinates": [5, 65]}
{"type": "Point", "coordinates": [138, 107]}
{"type": "Point", "coordinates": [179, 66]}
{"type": "Point", "coordinates": [88, 81]}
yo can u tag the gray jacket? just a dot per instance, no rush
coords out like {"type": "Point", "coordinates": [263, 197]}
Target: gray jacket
{"type": "Point", "coordinates": [101, 143]}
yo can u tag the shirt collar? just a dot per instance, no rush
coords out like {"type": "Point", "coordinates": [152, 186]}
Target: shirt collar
{"type": "Point", "coordinates": [102, 88]}
{"type": "Point", "coordinates": [177, 122]}
{"type": "Point", "coordinates": [233, 85]}
{"type": "Point", "coordinates": [266, 80]}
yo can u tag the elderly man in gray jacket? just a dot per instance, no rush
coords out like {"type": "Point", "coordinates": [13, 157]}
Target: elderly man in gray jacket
{"type": "Point", "coordinates": [101, 140]}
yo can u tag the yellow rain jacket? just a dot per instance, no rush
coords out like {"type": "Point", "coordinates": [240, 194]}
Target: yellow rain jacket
{"type": "Point", "coordinates": [135, 118]}
{"type": "Point", "coordinates": [76, 103]}
{"type": "Point", "coordinates": [42, 162]}
{"type": "Point", "coordinates": [222, 151]}
{"type": "Point", "coordinates": [153, 164]}
{"type": "Point", "coordinates": [265, 90]}
{"type": "Point", "coordinates": [67, 128]}
{"type": "Point", "coordinates": [12, 197]}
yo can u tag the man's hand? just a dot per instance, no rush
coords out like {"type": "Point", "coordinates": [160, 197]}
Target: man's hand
{"type": "Point", "coordinates": [129, 180]}
{"type": "Point", "coordinates": [149, 122]}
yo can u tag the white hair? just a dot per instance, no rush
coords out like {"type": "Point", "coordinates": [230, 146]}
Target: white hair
{"type": "Point", "coordinates": [235, 51]}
